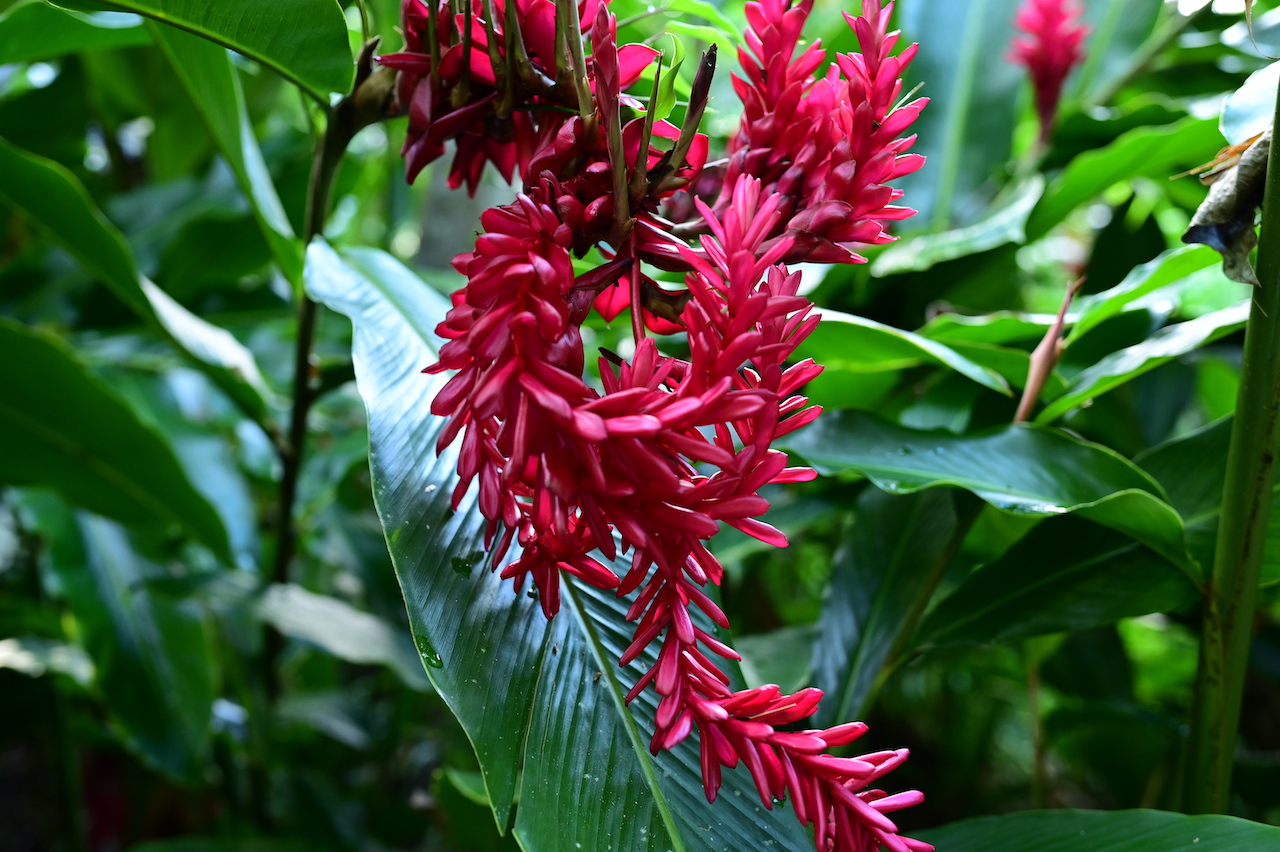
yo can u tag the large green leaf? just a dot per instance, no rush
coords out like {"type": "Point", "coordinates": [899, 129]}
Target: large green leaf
{"type": "Point", "coordinates": [1129, 363]}
{"type": "Point", "coordinates": [966, 132]}
{"type": "Point", "coordinates": [304, 40]}
{"type": "Point", "coordinates": [342, 630]}
{"type": "Point", "coordinates": [1169, 268]}
{"type": "Point", "coordinates": [1117, 29]}
{"type": "Point", "coordinates": [1066, 574]}
{"type": "Point", "coordinates": [1104, 831]}
{"type": "Point", "coordinates": [1191, 468]}
{"type": "Point", "coordinates": [848, 343]}
{"type": "Point", "coordinates": [63, 429]}
{"type": "Point", "coordinates": [884, 575]}
{"type": "Point", "coordinates": [1155, 152]}
{"type": "Point", "coordinates": [34, 30]}
{"type": "Point", "coordinates": [1021, 469]}
{"type": "Point", "coordinates": [538, 699]}
{"type": "Point", "coordinates": [1007, 223]}
{"type": "Point", "coordinates": [153, 653]}
{"type": "Point", "coordinates": [210, 78]}
{"type": "Point", "coordinates": [52, 197]}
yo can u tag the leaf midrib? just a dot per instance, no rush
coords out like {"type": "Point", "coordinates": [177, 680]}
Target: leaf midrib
{"type": "Point", "coordinates": [606, 664]}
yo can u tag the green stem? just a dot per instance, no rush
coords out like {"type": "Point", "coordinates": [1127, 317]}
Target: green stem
{"type": "Point", "coordinates": [1232, 594]}
{"type": "Point", "coordinates": [365, 105]}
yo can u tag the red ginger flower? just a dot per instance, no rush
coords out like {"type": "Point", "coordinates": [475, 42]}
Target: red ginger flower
{"type": "Point", "coordinates": [828, 146]}
{"type": "Point", "coordinates": [1054, 45]}
{"type": "Point", "coordinates": [570, 471]}
{"type": "Point", "coordinates": [672, 447]}
{"type": "Point", "coordinates": [491, 79]}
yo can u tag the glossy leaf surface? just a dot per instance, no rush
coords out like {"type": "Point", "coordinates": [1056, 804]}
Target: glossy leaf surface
{"type": "Point", "coordinates": [1020, 469]}
{"type": "Point", "coordinates": [1104, 831]}
{"type": "Point", "coordinates": [1133, 361]}
{"type": "Point", "coordinates": [303, 40]}
{"type": "Point", "coordinates": [33, 30]}
{"type": "Point", "coordinates": [537, 699]}
{"type": "Point", "coordinates": [883, 578]}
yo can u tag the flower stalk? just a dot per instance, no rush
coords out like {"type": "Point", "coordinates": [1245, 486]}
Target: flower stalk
{"type": "Point", "coordinates": [1231, 597]}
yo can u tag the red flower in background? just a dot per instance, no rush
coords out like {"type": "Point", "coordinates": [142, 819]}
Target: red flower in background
{"type": "Point", "coordinates": [1053, 46]}
{"type": "Point", "coordinates": [670, 448]}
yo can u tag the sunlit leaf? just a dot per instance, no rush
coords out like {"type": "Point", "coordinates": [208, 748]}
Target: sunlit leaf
{"type": "Point", "coordinates": [33, 29]}
{"type": "Point", "coordinates": [845, 342]}
{"type": "Point", "coordinates": [303, 40]}
{"type": "Point", "coordinates": [1004, 224]}
{"type": "Point", "coordinates": [1131, 362]}
{"type": "Point", "coordinates": [34, 657]}
{"type": "Point", "coordinates": [213, 83]}
{"type": "Point", "coordinates": [1155, 152]}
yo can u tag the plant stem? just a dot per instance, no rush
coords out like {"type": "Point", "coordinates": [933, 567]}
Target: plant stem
{"type": "Point", "coordinates": [366, 105]}
{"type": "Point", "coordinates": [1232, 594]}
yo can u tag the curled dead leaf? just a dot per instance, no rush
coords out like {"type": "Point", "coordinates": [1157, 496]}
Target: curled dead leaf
{"type": "Point", "coordinates": [1226, 219]}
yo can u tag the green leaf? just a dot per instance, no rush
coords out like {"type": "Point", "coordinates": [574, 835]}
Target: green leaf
{"type": "Point", "coordinates": [1169, 268]}
{"type": "Point", "coordinates": [53, 198]}
{"type": "Point", "coordinates": [966, 132]}
{"type": "Point", "coordinates": [1249, 110]}
{"type": "Point", "coordinates": [1066, 574]}
{"type": "Point", "coordinates": [33, 30]}
{"type": "Point", "coordinates": [845, 342]}
{"type": "Point", "coordinates": [778, 657]}
{"type": "Point", "coordinates": [342, 630]}
{"type": "Point", "coordinates": [1154, 152]}
{"type": "Point", "coordinates": [1117, 29]}
{"type": "Point", "coordinates": [34, 656]}
{"type": "Point", "coordinates": [884, 575]}
{"type": "Point", "coordinates": [1191, 469]}
{"type": "Point", "coordinates": [998, 328]}
{"type": "Point", "coordinates": [535, 698]}
{"type": "Point", "coordinates": [65, 430]}
{"type": "Point", "coordinates": [153, 653]}
{"type": "Point", "coordinates": [210, 78]}
{"type": "Point", "coordinates": [303, 40]}
{"type": "Point", "coordinates": [1005, 224]}
{"type": "Point", "coordinates": [1162, 347]}
{"type": "Point", "coordinates": [1021, 469]}
{"type": "Point", "coordinates": [666, 85]}
{"type": "Point", "coordinates": [1104, 831]}
{"type": "Point", "coordinates": [708, 12]}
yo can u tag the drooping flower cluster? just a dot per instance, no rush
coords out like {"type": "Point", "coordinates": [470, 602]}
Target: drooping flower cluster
{"type": "Point", "coordinates": [1054, 43]}
{"type": "Point", "coordinates": [671, 448]}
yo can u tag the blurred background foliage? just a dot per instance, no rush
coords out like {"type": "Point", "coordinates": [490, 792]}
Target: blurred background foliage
{"type": "Point", "coordinates": [1049, 663]}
